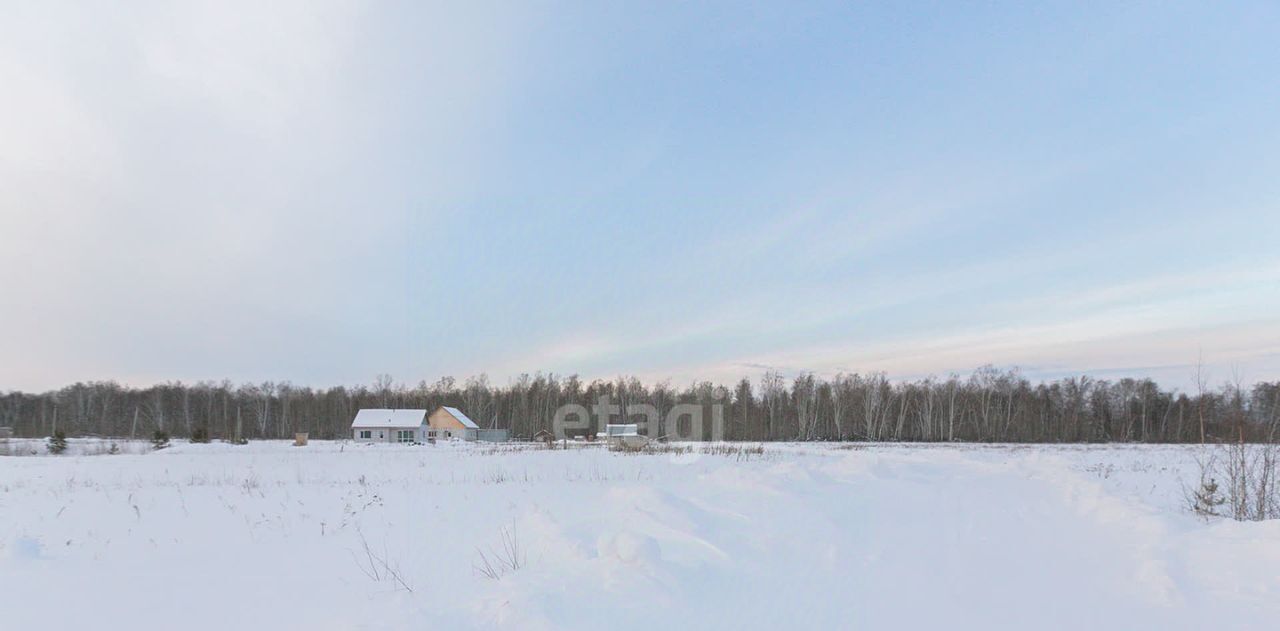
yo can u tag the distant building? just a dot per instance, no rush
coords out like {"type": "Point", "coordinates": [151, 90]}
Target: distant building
{"type": "Point", "coordinates": [624, 436]}
{"type": "Point", "coordinates": [545, 437]}
{"type": "Point", "coordinates": [446, 423]}
{"type": "Point", "coordinates": [415, 426]}
{"type": "Point", "coordinates": [389, 426]}
{"type": "Point", "coordinates": [630, 429]}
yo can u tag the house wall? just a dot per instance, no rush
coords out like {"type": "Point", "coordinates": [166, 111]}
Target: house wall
{"type": "Point", "coordinates": [452, 433]}
{"type": "Point", "coordinates": [386, 434]}
{"type": "Point", "coordinates": [440, 419]}
{"type": "Point", "coordinates": [379, 434]}
{"type": "Point", "coordinates": [628, 441]}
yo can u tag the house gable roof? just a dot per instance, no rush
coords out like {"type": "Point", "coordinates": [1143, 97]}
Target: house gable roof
{"type": "Point", "coordinates": [462, 418]}
{"type": "Point", "coordinates": [389, 418]}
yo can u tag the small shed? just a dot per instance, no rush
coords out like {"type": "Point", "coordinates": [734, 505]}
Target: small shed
{"type": "Point", "coordinates": [624, 436]}
{"type": "Point", "coordinates": [544, 437]}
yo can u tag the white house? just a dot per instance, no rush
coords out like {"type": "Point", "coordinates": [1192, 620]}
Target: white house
{"type": "Point", "coordinates": [390, 426]}
{"type": "Point", "coordinates": [415, 426]}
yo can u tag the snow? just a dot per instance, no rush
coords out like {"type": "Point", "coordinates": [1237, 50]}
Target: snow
{"type": "Point", "coordinates": [271, 536]}
{"type": "Point", "coordinates": [389, 418]}
{"type": "Point", "coordinates": [462, 418]}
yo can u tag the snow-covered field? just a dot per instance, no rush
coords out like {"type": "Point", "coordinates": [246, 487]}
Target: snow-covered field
{"type": "Point", "coordinates": [339, 536]}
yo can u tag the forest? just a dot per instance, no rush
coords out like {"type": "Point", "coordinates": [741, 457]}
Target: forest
{"type": "Point", "coordinates": [988, 405]}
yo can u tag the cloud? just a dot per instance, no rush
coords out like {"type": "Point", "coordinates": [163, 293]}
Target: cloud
{"type": "Point", "coordinates": [322, 192]}
{"type": "Point", "coordinates": [194, 190]}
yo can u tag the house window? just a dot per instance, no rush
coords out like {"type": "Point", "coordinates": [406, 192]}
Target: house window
{"type": "Point", "coordinates": [366, 433]}
{"type": "Point", "coordinates": [404, 435]}
{"type": "Point", "coordinates": [431, 433]}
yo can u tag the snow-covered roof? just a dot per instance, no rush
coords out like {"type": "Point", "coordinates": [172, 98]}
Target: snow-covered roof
{"type": "Point", "coordinates": [389, 418]}
{"type": "Point", "coordinates": [462, 418]}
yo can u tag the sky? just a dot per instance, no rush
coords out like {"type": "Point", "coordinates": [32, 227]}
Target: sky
{"type": "Point", "coordinates": [324, 192]}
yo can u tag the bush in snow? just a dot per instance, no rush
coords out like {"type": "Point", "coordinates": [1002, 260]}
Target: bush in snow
{"type": "Point", "coordinates": [200, 435]}
{"type": "Point", "coordinates": [160, 439]}
{"type": "Point", "coordinates": [57, 442]}
{"type": "Point", "coordinates": [1251, 475]}
{"type": "Point", "coordinates": [1206, 500]}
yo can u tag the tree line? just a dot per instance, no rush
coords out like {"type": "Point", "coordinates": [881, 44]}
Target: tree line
{"type": "Point", "coordinates": [988, 405]}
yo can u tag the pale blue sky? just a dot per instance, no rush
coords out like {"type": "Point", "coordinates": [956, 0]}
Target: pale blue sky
{"type": "Point", "coordinates": [321, 193]}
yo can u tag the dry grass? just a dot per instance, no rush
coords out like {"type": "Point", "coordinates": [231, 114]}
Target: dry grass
{"type": "Point", "coordinates": [506, 558]}
{"type": "Point", "coordinates": [377, 567]}
{"type": "Point", "coordinates": [737, 451]}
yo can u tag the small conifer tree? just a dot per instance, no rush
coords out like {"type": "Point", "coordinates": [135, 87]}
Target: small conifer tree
{"type": "Point", "coordinates": [1207, 500]}
{"type": "Point", "coordinates": [57, 442]}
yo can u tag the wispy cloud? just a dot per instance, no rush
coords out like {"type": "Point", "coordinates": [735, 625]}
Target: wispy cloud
{"type": "Point", "coordinates": [323, 192]}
